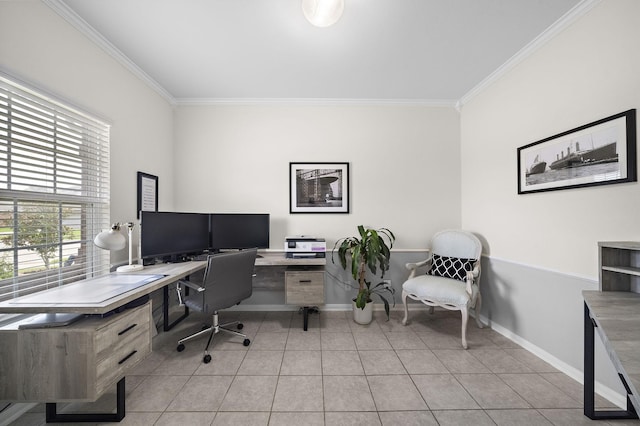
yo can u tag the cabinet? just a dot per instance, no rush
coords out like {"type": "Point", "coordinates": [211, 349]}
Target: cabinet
{"type": "Point", "coordinates": [619, 266]}
{"type": "Point", "coordinates": [304, 286]}
{"type": "Point", "coordinates": [78, 362]}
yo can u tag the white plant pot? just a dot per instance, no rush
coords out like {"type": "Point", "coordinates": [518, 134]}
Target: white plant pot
{"type": "Point", "coordinates": [363, 316]}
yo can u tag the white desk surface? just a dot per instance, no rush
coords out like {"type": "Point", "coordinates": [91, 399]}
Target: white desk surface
{"type": "Point", "coordinates": [60, 300]}
{"type": "Point", "coordinates": [277, 258]}
{"type": "Point", "coordinates": [64, 299]}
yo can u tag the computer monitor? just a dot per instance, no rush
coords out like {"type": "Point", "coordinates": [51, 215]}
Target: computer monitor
{"type": "Point", "coordinates": [173, 234]}
{"type": "Point", "coordinates": [239, 231]}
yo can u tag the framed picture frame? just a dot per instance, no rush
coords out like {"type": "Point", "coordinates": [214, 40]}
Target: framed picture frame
{"type": "Point", "coordinates": [319, 187]}
{"type": "Point", "coordinates": [147, 193]}
{"type": "Point", "coordinates": [599, 153]}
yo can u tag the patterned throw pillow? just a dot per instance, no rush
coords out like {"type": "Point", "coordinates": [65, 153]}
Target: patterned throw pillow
{"type": "Point", "coordinates": [451, 267]}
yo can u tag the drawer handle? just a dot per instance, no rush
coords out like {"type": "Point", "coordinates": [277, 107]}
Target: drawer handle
{"type": "Point", "coordinates": [126, 357]}
{"type": "Point", "coordinates": [305, 281]}
{"type": "Point", "coordinates": [127, 329]}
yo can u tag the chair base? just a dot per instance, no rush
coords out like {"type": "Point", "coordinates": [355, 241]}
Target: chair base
{"type": "Point", "coordinates": [464, 311]}
{"type": "Point", "coordinates": [212, 330]}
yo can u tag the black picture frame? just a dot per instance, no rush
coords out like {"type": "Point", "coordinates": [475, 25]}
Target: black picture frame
{"type": "Point", "coordinates": [147, 193]}
{"type": "Point", "coordinates": [319, 187]}
{"type": "Point", "coordinates": [599, 153]}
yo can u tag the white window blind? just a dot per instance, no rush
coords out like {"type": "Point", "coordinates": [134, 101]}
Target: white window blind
{"type": "Point", "coordinates": [54, 192]}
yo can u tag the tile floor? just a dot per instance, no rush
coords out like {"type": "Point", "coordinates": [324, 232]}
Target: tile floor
{"type": "Point", "coordinates": [342, 373]}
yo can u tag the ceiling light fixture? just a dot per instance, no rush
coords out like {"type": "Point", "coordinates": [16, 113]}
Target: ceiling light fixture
{"type": "Point", "coordinates": [322, 13]}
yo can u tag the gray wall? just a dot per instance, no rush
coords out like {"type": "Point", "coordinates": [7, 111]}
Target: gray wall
{"type": "Point", "coordinates": [543, 246]}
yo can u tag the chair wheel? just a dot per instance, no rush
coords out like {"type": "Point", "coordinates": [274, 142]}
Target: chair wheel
{"type": "Point", "coordinates": [180, 347]}
{"type": "Point", "coordinates": [246, 342]}
{"type": "Point", "coordinates": [206, 359]}
{"type": "Point", "coordinates": [240, 326]}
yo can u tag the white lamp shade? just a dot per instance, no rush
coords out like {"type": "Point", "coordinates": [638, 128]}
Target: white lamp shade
{"type": "Point", "coordinates": [322, 13]}
{"type": "Point", "coordinates": [110, 240]}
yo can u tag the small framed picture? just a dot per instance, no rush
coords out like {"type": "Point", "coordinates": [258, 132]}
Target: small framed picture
{"type": "Point", "coordinates": [598, 153]}
{"type": "Point", "coordinates": [319, 187]}
{"type": "Point", "coordinates": [147, 193]}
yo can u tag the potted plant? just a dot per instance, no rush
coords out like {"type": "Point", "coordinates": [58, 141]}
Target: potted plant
{"type": "Point", "coordinates": [372, 250]}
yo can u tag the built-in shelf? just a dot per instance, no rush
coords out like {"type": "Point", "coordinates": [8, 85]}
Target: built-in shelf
{"type": "Point", "coordinates": [622, 270]}
{"type": "Point", "coordinates": [619, 265]}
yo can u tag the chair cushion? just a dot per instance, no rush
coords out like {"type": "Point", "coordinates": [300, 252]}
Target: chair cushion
{"type": "Point", "coordinates": [451, 267]}
{"type": "Point", "coordinates": [438, 289]}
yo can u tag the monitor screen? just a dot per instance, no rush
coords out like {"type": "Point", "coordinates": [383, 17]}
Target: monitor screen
{"type": "Point", "coordinates": [164, 234]}
{"type": "Point", "coordinates": [239, 230]}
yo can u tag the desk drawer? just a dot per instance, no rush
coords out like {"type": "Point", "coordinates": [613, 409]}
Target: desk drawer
{"type": "Point", "coordinates": [121, 345]}
{"type": "Point", "coordinates": [77, 362]}
{"type": "Point", "coordinates": [304, 287]}
{"type": "Point", "coordinates": [126, 326]}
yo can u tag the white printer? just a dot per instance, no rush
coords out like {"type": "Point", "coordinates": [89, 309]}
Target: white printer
{"type": "Point", "coordinates": [301, 246]}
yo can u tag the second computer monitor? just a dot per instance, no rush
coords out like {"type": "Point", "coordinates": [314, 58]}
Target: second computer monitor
{"type": "Point", "coordinates": [239, 231]}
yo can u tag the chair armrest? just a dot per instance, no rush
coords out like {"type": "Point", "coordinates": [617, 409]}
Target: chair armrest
{"type": "Point", "coordinates": [192, 285]}
{"type": "Point", "coordinates": [472, 276]}
{"type": "Point", "coordinates": [413, 266]}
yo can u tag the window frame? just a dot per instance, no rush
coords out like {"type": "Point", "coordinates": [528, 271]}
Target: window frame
{"type": "Point", "coordinates": [54, 158]}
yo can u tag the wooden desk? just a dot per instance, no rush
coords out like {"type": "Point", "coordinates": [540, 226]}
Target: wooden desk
{"type": "Point", "coordinates": [80, 361]}
{"type": "Point", "coordinates": [277, 258]}
{"type": "Point", "coordinates": [303, 280]}
{"type": "Point", "coordinates": [89, 365]}
{"type": "Point", "coordinates": [616, 317]}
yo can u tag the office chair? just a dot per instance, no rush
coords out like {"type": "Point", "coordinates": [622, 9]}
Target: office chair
{"type": "Point", "coordinates": [227, 280]}
{"type": "Point", "coordinates": [452, 280]}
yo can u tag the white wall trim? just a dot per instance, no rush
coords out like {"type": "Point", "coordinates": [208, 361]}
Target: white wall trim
{"type": "Point", "coordinates": [557, 27]}
{"type": "Point", "coordinates": [594, 280]}
{"type": "Point", "coordinates": [81, 25]}
{"type": "Point", "coordinates": [439, 103]}
{"type": "Point", "coordinates": [602, 390]}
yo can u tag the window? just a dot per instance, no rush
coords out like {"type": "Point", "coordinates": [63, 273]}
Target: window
{"type": "Point", "coordinates": [54, 191]}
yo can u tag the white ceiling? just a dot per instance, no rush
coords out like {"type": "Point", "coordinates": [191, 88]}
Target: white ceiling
{"type": "Point", "coordinates": [385, 50]}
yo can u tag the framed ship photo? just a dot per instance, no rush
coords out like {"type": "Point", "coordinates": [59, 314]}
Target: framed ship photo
{"type": "Point", "coordinates": [319, 187]}
{"type": "Point", "coordinates": [598, 153]}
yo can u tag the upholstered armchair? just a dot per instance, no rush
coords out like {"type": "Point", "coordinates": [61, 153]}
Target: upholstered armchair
{"type": "Point", "coordinates": [452, 279]}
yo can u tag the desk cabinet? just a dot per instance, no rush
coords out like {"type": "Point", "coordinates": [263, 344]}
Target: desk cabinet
{"type": "Point", "coordinates": [304, 286]}
{"type": "Point", "coordinates": [78, 362]}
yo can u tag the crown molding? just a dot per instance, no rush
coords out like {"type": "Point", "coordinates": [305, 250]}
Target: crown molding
{"type": "Point", "coordinates": [437, 103]}
{"type": "Point", "coordinates": [556, 28]}
{"type": "Point", "coordinates": [81, 25]}
{"type": "Point", "coordinates": [561, 24]}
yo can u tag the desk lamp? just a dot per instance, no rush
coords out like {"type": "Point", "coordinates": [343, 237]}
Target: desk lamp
{"type": "Point", "coordinates": [114, 240]}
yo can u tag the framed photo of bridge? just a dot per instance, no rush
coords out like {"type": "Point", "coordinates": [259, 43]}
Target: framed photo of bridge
{"type": "Point", "coordinates": [319, 187]}
{"type": "Point", "coordinates": [599, 153]}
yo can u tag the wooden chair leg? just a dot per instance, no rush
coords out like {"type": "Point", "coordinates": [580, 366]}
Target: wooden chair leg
{"type": "Point", "coordinates": [406, 308]}
{"type": "Point", "coordinates": [465, 317]}
{"type": "Point", "coordinates": [476, 310]}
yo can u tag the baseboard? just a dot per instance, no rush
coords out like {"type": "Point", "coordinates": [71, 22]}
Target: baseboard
{"type": "Point", "coordinates": [327, 307]}
{"type": "Point", "coordinates": [602, 390]}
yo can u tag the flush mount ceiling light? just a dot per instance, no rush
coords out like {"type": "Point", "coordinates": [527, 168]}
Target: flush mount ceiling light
{"type": "Point", "coordinates": [322, 13]}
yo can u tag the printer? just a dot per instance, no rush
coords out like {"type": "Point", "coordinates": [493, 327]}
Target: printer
{"type": "Point", "coordinates": [302, 246]}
